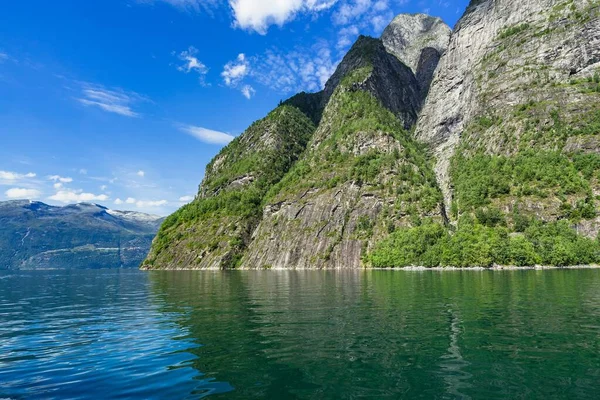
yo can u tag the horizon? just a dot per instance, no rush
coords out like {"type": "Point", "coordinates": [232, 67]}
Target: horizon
{"type": "Point", "coordinates": [123, 103]}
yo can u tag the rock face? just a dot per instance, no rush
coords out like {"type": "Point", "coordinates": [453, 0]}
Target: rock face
{"type": "Point", "coordinates": [358, 171]}
{"type": "Point", "coordinates": [392, 83]}
{"type": "Point", "coordinates": [214, 230]}
{"type": "Point", "coordinates": [38, 236]}
{"type": "Point", "coordinates": [419, 41]}
{"type": "Point", "coordinates": [361, 177]}
{"type": "Point", "coordinates": [515, 74]}
{"type": "Point", "coordinates": [506, 119]}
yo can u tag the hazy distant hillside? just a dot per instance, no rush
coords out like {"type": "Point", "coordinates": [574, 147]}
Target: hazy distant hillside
{"type": "Point", "coordinates": [34, 235]}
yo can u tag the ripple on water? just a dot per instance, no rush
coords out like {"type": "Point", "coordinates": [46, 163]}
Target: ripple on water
{"type": "Point", "coordinates": [300, 334]}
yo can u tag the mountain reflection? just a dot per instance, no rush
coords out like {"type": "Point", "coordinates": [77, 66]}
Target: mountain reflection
{"type": "Point", "coordinates": [384, 334]}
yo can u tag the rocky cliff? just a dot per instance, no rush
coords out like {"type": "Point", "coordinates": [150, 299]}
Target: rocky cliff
{"type": "Point", "coordinates": [429, 146]}
{"type": "Point", "coordinates": [419, 41]}
{"type": "Point", "coordinates": [38, 236]}
{"type": "Point", "coordinates": [518, 86]}
{"type": "Point", "coordinates": [361, 177]}
{"type": "Point", "coordinates": [360, 171]}
{"type": "Point", "coordinates": [215, 229]}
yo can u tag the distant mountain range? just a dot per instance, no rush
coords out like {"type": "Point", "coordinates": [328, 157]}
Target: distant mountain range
{"type": "Point", "coordinates": [34, 235]}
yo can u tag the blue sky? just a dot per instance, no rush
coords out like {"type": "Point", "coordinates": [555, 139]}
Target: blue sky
{"type": "Point", "coordinates": [123, 102]}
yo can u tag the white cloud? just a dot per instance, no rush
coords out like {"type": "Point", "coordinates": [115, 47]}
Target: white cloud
{"type": "Point", "coordinates": [258, 15]}
{"type": "Point", "coordinates": [248, 91]}
{"type": "Point", "coordinates": [118, 202]}
{"type": "Point", "coordinates": [71, 196]}
{"type": "Point", "coordinates": [141, 173]}
{"type": "Point", "coordinates": [371, 15]}
{"type": "Point", "coordinates": [20, 193]}
{"type": "Point", "coordinates": [58, 178]}
{"type": "Point", "coordinates": [130, 200]}
{"type": "Point", "coordinates": [3, 57]}
{"type": "Point", "coordinates": [115, 100]}
{"type": "Point", "coordinates": [188, 5]}
{"type": "Point", "coordinates": [207, 135]}
{"type": "Point", "coordinates": [57, 185]}
{"type": "Point", "coordinates": [192, 64]}
{"type": "Point", "coordinates": [300, 69]}
{"type": "Point", "coordinates": [103, 187]}
{"type": "Point", "coordinates": [186, 199]}
{"type": "Point", "coordinates": [150, 203]}
{"type": "Point", "coordinates": [83, 171]}
{"type": "Point", "coordinates": [235, 71]}
{"type": "Point", "coordinates": [347, 36]}
{"type": "Point", "coordinates": [8, 177]}
{"type": "Point", "coordinates": [351, 10]}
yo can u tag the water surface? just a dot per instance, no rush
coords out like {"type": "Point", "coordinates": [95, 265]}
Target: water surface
{"type": "Point", "coordinates": [300, 335]}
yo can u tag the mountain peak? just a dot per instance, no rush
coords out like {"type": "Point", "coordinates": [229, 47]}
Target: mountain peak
{"type": "Point", "coordinates": [409, 35]}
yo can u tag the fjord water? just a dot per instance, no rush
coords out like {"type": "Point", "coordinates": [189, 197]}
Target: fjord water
{"type": "Point", "coordinates": [300, 335]}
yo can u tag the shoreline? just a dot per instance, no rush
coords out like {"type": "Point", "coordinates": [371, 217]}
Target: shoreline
{"type": "Point", "coordinates": [407, 269]}
{"type": "Point", "coordinates": [494, 268]}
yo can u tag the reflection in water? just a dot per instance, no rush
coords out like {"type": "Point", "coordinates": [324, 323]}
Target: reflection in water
{"type": "Point", "coordinates": [300, 334]}
{"type": "Point", "coordinates": [386, 334]}
{"type": "Point", "coordinates": [454, 365]}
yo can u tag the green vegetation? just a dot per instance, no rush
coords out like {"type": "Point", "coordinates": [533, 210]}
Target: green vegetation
{"type": "Point", "coordinates": [536, 152]}
{"type": "Point", "coordinates": [474, 244]}
{"type": "Point", "coordinates": [480, 178]}
{"type": "Point", "coordinates": [309, 103]}
{"type": "Point", "coordinates": [358, 117]}
{"type": "Point", "coordinates": [233, 192]}
{"type": "Point", "coordinates": [513, 30]}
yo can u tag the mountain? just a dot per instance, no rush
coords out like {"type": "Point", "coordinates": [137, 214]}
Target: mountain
{"type": "Point", "coordinates": [430, 146]}
{"type": "Point", "coordinates": [39, 236]}
{"type": "Point", "coordinates": [215, 229]}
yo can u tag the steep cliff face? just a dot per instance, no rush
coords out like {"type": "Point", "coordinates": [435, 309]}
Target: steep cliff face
{"type": "Point", "coordinates": [214, 230]}
{"type": "Point", "coordinates": [361, 167]}
{"type": "Point", "coordinates": [392, 83]}
{"type": "Point", "coordinates": [506, 142]}
{"type": "Point", "coordinates": [362, 177]}
{"type": "Point", "coordinates": [419, 41]}
{"type": "Point", "coordinates": [514, 105]}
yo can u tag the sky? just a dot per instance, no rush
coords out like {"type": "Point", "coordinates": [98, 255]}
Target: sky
{"type": "Point", "coordinates": [124, 102]}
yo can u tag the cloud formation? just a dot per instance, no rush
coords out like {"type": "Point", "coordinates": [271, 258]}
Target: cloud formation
{"type": "Point", "coordinates": [296, 70]}
{"type": "Point", "coordinates": [60, 179]}
{"type": "Point", "coordinates": [248, 91]}
{"type": "Point", "coordinates": [188, 5]}
{"type": "Point", "coordinates": [9, 178]}
{"type": "Point", "coordinates": [235, 71]}
{"type": "Point", "coordinates": [142, 203]}
{"type": "Point", "coordinates": [151, 203]}
{"type": "Point", "coordinates": [207, 135]}
{"type": "Point", "coordinates": [186, 199]}
{"type": "Point", "coordinates": [370, 16]}
{"type": "Point", "coordinates": [115, 100]}
{"type": "Point", "coordinates": [191, 63]}
{"type": "Point", "coordinates": [258, 15]}
{"type": "Point", "coordinates": [21, 193]}
{"type": "Point", "coordinates": [72, 196]}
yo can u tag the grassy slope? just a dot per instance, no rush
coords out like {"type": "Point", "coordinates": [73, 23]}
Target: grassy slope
{"type": "Point", "coordinates": [213, 230]}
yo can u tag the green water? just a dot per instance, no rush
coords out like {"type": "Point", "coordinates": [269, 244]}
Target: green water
{"type": "Point", "coordinates": [390, 334]}
{"type": "Point", "coordinates": [300, 335]}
